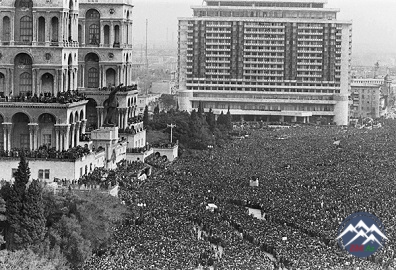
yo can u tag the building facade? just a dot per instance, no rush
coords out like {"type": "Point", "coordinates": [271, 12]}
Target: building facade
{"type": "Point", "coordinates": [59, 60]}
{"type": "Point", "coordinates": [366, 98]}
{"type": "Point", "coordinates": [266, 60]}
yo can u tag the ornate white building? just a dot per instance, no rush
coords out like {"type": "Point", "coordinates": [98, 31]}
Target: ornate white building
{"type": "Point", "coordinates": [58, 59]}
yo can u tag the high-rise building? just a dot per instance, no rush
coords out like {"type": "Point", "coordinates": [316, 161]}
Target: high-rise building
{"type": "Point", "coordinates": [266, 60]}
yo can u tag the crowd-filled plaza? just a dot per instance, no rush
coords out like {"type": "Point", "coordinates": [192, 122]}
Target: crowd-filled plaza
{"type": "Point", "coordinates": [307, 186]}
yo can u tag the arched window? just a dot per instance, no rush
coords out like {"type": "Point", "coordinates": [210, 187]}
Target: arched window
{"type": "Point", "coordinates": [26, 29]}
{"type": "Point", "coordinates": [6, 35]}
{"type": "Point", "coordinates": [55, 29]}
{"type": "Point", "coordinates": [91, 70]}
{"type": "Point", "coordinates": [25, 83]}
{"type": "Point", "coordinates": [94, 34]}
{"type": "Point", "coordinates": [23, 74]}
{"type": "Point", "coordinates": [93, 78]}
{"type": "Point", "coordinates": [92, 30]}
{"type": "Point", "coordinates": [116, 36]}
{"type": "Point", "coordinates": [80, 34]}
{"type": "Point", "coordinates": [41, 30]}
{"type": "Point", "coordinates": [2, 85]}
{"type": "Point", "coordinates": [107, 35]}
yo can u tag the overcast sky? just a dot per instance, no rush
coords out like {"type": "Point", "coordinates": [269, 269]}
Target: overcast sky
{"type": "Point", "coordinates": [374, 21]}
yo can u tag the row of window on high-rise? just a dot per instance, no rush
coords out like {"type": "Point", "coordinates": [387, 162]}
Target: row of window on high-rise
{"type": "Point", "coordinates": [265, 14]}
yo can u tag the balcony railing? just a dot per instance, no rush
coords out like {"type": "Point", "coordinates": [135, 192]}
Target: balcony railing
{"type": "Point", "coordinates": [44, 152]}
{"type": "Point", "coordinates": [123, 88]}
{"type": "Point", "coordinates": [62, 97]}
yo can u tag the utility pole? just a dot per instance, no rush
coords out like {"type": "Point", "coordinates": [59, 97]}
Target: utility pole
{"type": "Point", "coordinates": [145, 83]}
{"type": "Point", "coordinates": [171, 127]}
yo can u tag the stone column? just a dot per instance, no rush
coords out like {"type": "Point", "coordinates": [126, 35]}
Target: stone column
{"type": "Point", "coordinates": [9, 129]}
{"type": "Point", "coordinates": [101, 116]}
{"type": "Point", "coordinates": [83, 33]}
{"type": "Point", "coordinates": [126, 113]}
{"type": "Point", "coordinates": [34, 78]}
{"type": "Point", "coordinates": [31, 137]}
{"type": "Point", "coordinates": [35, 28]}
{"type": "Point", "coordinates": [307, 119]}
{"type": "Point", "coordinates": [101, 35]}
{"type": "Point", "coordinates": [73, 131]}
{"type": "Point", "coordinates": [35, 137]}
{"type": "Point", "coordinates": [70, 73]}
{"type": "Point", "coordinates": [61, 138]}
{"type": "Point", "coordinates": [77, 133]}
{"type": "Point", "coordinates": [98, 114]}
{"type": "Point", "coordinates": [112, 39]}
{"type": "Point", "coordinates": [66, 137]}
{"type": "Point", "coordinates": [119, 117]}
{"type": "Point", "coordinates": [83, 126]}
{"type": "Point", "coordinates": [57, 138]}
{"type": "Point", "coordinates": [47, 38]}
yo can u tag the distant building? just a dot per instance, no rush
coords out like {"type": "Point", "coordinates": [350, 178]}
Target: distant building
{"type": "Point", "coordinates": [366, 98]}
{"type": "Point", "coordinates": [150, 100]}
{"type": "Point", "coordinates": [266, 60]}
{"type": "Point", "coordinates": [161, 87]}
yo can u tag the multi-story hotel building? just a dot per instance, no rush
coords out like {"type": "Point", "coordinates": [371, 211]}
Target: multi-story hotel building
{"type": "Point", "coordinates": [286, 60]}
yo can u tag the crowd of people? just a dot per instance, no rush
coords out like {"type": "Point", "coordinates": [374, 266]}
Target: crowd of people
{"type": "Point", "coordinates": [44, 152]}
{"type": "Point", "coordinates": [307, 187]}
{"type": "Point", "coordinates": [123, 88]}
{"type": "Point", "coordinates": [69, 96]}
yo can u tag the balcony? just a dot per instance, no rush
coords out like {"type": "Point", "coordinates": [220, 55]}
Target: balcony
{"type": "Point", "coordinates": [61, 98]}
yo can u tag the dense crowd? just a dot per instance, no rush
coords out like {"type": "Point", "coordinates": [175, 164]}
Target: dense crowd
{"type": "Point", "coordinates": [44, 152]}
{"type": "Point", "coordinates": [69, 96]}
{"type": "Point", "coordinates": [123, 88]}
{"type": "Point", "coordinates": [307, 187]}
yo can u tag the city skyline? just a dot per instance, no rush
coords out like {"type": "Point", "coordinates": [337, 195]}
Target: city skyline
{"type": "Point", "coordinates": [371, 34]}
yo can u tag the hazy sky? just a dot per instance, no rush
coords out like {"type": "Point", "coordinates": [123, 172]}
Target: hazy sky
{"type": "Point", "coordinates": [374, 21]}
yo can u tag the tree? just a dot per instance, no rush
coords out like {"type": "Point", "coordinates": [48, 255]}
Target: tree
{"type": "Point", "coordinates": [228, 122]}
{"type": "Point", "coordinates": [24, 259]}
{"type": "Point", "coordinates": [156, 110]}
{"type": "Point", "coordinates": [22, 174]}
{"type": "Point", "coordinates": [145, 117]}
{"type": "Point", "coordinates": [66, 234]}
{"type": "Point", "coordinates": [210, 119]}
{"type": "Point", "coordinates": [33, 222]}
{"type": "Point", "coordinates": [167, 101]}
{"type": "Point", "coordinates": [200, 109]}
{"type": "Point", "coordinates": [221, 119]}
{"type": "Point", "coordinates": [3, 218]}
{"type": "Point", "coordinates": [14, 204]}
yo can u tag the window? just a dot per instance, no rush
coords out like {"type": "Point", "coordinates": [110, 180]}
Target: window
{"type": "Point", "coordinates": [93, 78]}
{"type": "Point", "coordinates": [41, 174]}
{"type": "Point", "coordinates": [13, 172]}
{"type": "Point", "coordinates": [47, 174]}
{"type": "Point", "coordinates": [55, 26]}
{"type": "Point", "coordinates": [94, 34]}
{"type": "Point", "coordinates": [6, 30]}
{"type": "Point", "coordinates": [47, 139]}
{"type": "Point", "coordinates": [25, 83]}
{"type": "Point", "coordinates": [26, 29]}
{"type": "Point", "coordinates": [24, 141]}
{"type": "Point", "coordinates": [41, 29]}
